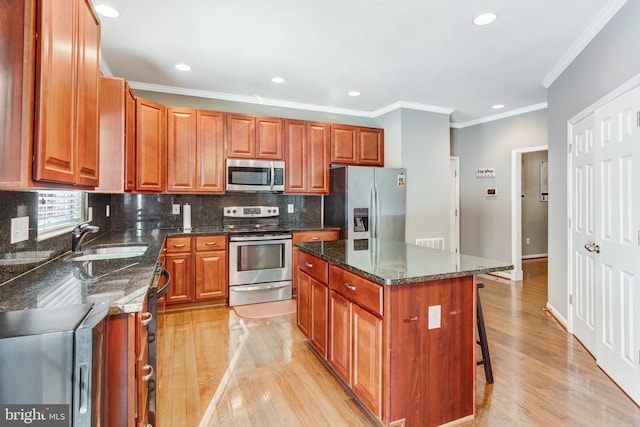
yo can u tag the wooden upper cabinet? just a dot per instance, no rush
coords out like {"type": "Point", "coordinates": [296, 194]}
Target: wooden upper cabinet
{"type": "Point", "coordinates": [352, 145]}
{"type": "Point", "coordinates": [307, 157]}
{"type": "Point", "coordinates": [130, 140]}
{"type": "Point", "coordinates": [195, 151]}
{"type": "Point", "coordinates": [150, 145]}
{"type": "Point", "coordinates": [370, 146]}
{"type": "Point", "coordinates": [16, 91]}
{"type": "Point", "coordinates": [253, 137]}
{"type": "Point", "coordinates": [343, 144]}
{"type": "Point", "coordinates": [181, 149]}
{"type": "Point", "coordinates": [66, 145]}
{"type": "Point", "coordinates": [269, 138]}
{"type": "Point", "coordinates": [241, 136]}
{"type": "Point", "coordinates": [112, 134]}
{"type": "Point", "coordinates": [210, 152]}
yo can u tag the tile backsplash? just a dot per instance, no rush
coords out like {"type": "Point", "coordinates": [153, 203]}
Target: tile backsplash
{"type": "Point", "coordinates": [135, 211]}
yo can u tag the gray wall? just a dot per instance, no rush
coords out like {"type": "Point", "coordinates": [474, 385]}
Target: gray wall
{"type": "Point", "coordinates": [534, 212]}
{"type": "Point", "coordinates": [419, 142]}
{"type": "Point", "coordinates": [606, 63]}
{"type": "Point", "coordinates": [485, 224]}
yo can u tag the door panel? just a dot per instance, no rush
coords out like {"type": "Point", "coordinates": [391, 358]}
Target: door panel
{"type": "Point", "coordinates": [583, 262]}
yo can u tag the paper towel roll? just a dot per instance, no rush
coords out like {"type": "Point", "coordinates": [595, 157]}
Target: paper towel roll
{"type": "Point", "coordinates": [186, 216]}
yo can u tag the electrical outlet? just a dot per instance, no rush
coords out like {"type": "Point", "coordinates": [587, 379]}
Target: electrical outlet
{"type": "Point", "coordinates": [90, 213]}
{"type": "Point", "coordinates": [290, 208]}
{"type": "Point", "coordinates": [434, 316]}
{"type": "Point", "coordinates": [19, 229]}
{"type": "Point", "coordinates": [175, 209]}
{"type": "Point", "coordinates": [527, 241]}
{"type": "Point", "coordinates": [107, 212]}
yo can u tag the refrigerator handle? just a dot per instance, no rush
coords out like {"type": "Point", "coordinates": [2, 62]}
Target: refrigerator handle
{"type": "Point", "coordinates": [377, 206]}
{"type": "Point", "coordinates": [372, 212]}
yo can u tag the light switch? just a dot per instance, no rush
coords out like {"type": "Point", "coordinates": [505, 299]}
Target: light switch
{"type": "Point", "coordinates": [19, 229]}
{"type": "Point", "coordinates": [434, 316]}
{"type": "Point", "coordinates": [175, 209]}
{"type": "Point", "coordinates": [290, 208]}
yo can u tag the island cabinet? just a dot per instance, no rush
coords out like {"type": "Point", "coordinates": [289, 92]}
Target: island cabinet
{"type": "Point", "coordinates": [307, 157]}
{"type": "Point", "coordinates": [254, 137]}
{"type": "Point", "coordinates": [198, 269]}
{"type": "Point", "coordinates": [312, 300]}
{"type": "Point", "coordinates": [150, 146]}
{"type": "Point", "coordinates": [308, 236]}
{"type": "Point", "coordinates": [66, 143]}
{"type": "Point", "coordinates": [195, 151]}
{"type": "Point", "coordinates": [356, 335]}
{"type": "Point", "coordinates": [352, 145]}
{"type": "Point", "coordinates": [130, 372]}
{"type": "Point", "coordinates": [404, 346]}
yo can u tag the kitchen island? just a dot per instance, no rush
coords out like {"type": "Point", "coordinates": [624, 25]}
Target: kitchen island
{"type": "Point", "coordinates": [396, 323]}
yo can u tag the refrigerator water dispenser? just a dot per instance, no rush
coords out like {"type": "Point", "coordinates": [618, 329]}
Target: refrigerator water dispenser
{"type": "Point", "coordinates": [360, 219]}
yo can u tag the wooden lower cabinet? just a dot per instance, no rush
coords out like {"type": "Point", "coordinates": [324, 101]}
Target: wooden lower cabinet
{"type": "Point", "coordinates": [309, 236]}
{"type": "Point", "coordinates": [129, 370]}
{"type": "Point", "coordinates": [379, 342]}
{"type": "Point", "coordinates": [313, 301]}
{"type": "Point", "coordinates": [198, 268]}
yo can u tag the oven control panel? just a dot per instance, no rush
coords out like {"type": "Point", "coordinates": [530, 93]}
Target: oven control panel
{"type": "Point", "coordinates": [251, 211]}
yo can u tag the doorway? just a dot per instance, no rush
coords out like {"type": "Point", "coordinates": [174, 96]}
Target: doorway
{"type": "Point", "coordinates": [516, 207]}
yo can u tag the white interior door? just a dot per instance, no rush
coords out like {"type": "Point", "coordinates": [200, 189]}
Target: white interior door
{"type": "Point", "coordinates": [583, 233]}
{"type": "Point", "coordinates": [617, 234]}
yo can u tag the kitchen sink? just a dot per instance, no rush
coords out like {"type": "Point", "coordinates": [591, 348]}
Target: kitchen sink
{"type": "Point", "coordinates": [105, 252]}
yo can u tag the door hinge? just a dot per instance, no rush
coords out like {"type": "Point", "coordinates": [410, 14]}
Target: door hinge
{"type": "Point", "coordinates": [638, 237]}
{"type": "Point", "coordinates": [638, 119]}
{"type": "Point", "coordinates": [570, 299]}
{"type": "Point", "coordinates": [569, 221]}
{"type": "Point", "coordinates": [570, 147]}
{"type": "Point", "coordinates": [638, 231]}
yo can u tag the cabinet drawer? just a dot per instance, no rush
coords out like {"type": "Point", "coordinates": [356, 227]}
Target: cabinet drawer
{"type": "Point", "coordinates": [361, 291]}
{"type": "Point", "coordinates": [179, 244]}
{"type": "Point", "coordinates": [211, 243]}
{"type": "Point", "coordinates": [315, 236]}
{"type": "Point", "coordinates": [313, 266]}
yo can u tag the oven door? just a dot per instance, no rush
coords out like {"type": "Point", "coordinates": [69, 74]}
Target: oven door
{"type": "Point", "coordinates": [259, 259]}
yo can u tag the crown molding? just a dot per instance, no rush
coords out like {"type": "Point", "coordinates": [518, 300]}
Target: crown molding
{"type": "Point", "coordinates": [585, 38]}
{"type": "Point", "coordinates": [104, 67]}
{"type": "Point", "coordinates": [412, 106]}
{"type": "Point", "coordinates": [287, 104]}
{"type": "Point", "coordinates": [530, 108]}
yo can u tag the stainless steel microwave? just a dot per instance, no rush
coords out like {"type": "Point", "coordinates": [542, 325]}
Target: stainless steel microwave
{"type": "Point", "coordinates": [255, 175]}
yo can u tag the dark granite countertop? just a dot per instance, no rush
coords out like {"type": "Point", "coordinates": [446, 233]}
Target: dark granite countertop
{"type": "Point", "coordinates": [121, 282]}
{"type": "Point", "coordinates": [393, 263]}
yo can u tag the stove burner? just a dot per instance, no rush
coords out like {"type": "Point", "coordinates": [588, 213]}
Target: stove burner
{"type": "Point", "coordinates": [252, 220]}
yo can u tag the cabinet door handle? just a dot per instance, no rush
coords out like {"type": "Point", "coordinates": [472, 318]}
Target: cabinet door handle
{"type": "Point", "coordinates": [211, 243]}
{"type": "Point", "coordinates": [308, 265]}
{"type": "Point", "coordinates": [181, 245]}
{"type": "Point", "coordinates": [148, 376]}
{"type": "Point", "coordinates": [315, 238]}
{"type": "Point", "coordinates": [350, 287]}
{"type": "Point", "coordinates": [146, 318]}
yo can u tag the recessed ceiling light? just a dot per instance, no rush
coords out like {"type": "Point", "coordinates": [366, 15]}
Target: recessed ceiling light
{"type": "Point", "coordinates": [498, 106]}
{"type": "Point", "coordinates": [183, 67]}
{"type": "Point", "coordinates": [278, 80]}
{"type": "Point", "coordinates": [354, 93]}
{"type": "Point", "coordinates": [485, 18]}
{"type": "Point", "coordinates": [107, 11]}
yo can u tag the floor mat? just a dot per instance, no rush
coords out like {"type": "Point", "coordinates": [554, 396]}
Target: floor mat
{"type": "Point", "coordinates": [266, 309]}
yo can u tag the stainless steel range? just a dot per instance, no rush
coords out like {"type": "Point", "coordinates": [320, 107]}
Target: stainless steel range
{"type": "Point", "coordinates": [259, 255]}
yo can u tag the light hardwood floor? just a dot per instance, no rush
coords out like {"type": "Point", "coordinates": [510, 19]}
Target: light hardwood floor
{"type": "Point", "coordinates": [216, 369]}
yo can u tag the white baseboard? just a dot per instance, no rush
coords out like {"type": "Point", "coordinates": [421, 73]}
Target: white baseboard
{"type": "Point", "coordinates": [535, 256]}
{"type": "Point", "coordinates": [560, 318]}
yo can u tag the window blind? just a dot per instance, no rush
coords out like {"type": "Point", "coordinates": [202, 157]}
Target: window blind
{"type": "Point", "coordinates": [58, 212]}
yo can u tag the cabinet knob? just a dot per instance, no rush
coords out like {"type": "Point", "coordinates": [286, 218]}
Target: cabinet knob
{"type": "Point", "coordinates": [149, 369]}
{"type": "Point", "coordinates": [308, 265]}
{"type": "Point", "coordinates": [146, 318]}
{"type": "Point", "coordinates": [315, 238]}
{"type": "Point", "coordinates": [210, 243]}
{"type": "Point", "coordinates": [350, 287]}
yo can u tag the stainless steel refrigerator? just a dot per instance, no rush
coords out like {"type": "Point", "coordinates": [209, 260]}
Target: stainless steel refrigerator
{"type": "Point", "coordinates": [366, 202]}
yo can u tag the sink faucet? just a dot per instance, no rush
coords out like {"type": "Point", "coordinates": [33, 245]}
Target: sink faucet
{"type": "Point", "coordinates": [78, 234]}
